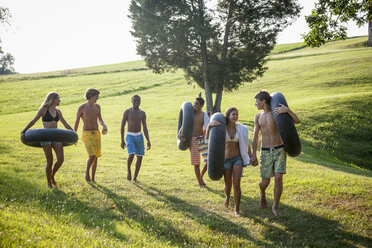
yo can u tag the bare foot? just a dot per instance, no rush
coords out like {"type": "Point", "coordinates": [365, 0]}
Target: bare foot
{"type": "Point", "coordinates": [87, 177]}
{"type": "Point", "coordinates": [52, 181]}
{"type": "Point", "coordinates": [93, 181]}
{"type": "Point", "coordinates": [276, 212]}
{"type": "Point", "coordinates": [263, 201]}
{"type": "Point", "coordinates": [129, 175]}
{"type": "Point", "coordinates": [50, 185]}
{"type": "Point", "coordinates": [227, 202]}
{"type": "Point", "coordinates": [237, 214]}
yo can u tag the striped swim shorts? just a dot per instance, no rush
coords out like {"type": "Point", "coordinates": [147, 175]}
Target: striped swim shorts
{"type": "Point", "coordinates": [198, 146]}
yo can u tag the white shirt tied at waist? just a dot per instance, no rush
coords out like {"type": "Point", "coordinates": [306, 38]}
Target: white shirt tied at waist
{"type": "Point", "coordinates": [134, 134]}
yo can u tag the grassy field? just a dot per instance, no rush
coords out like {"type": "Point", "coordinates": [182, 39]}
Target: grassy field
{"type": "Point", "coordinates": [327, 195]}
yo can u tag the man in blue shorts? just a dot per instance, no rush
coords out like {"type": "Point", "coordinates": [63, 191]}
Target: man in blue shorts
{"type": "Point", "coordinates": [273, 156]}
{"type": "Point", "coordinates": [135, 144]}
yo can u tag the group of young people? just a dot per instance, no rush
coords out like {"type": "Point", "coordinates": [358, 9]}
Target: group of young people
{"type": "Point", "coordinates": [238, 153]}
{"type": "Point", "coordinates": [90, 113]}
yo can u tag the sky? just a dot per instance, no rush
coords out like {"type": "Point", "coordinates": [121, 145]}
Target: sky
{"type": "Point", "coordinates": [49, 35]}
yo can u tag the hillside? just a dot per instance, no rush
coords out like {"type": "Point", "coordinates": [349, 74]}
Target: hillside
{"type": "Point", "coordinates": [327, 192]}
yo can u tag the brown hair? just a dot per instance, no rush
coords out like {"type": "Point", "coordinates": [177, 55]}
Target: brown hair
{"type": "Point", "coordinates": [228, 112]}
{"type": "Point", "coordinates": [90, 93]}
{"type": "Point", "coordinates": [263, 95]}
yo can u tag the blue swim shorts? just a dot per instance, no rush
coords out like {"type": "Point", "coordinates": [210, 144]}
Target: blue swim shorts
{"type": "Point", "coordinates": [233, 161]}
{"type": "Point", "coordinates": [135, 144]}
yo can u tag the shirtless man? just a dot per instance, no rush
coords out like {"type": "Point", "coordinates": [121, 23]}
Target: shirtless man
{"type": "Point", "coordinates": [273, 156]}
{"type": "Point", "coordinates": [135, 145]}
{"type": "Point", "coordinates": [198, 142]}
{"type": "Point", "coordinates": [90, 112]}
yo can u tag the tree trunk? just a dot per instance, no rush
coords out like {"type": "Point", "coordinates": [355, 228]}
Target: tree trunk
{"type": "Point", "coordinates": [203, 43]}
{"type": "Point", "coordinates": [217, 107]}
{"type": "Point", "coordinates": [370, 34]}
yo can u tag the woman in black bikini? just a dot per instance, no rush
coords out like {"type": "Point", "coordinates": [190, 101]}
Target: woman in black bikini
{"type": "Point", "coordinates": [50, 116]}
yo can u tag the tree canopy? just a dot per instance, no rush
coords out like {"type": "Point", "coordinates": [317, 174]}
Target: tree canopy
{"type": "Point", "coordinates": [218, 47]}
{"type": "Point", "coordinates": [327, 18]}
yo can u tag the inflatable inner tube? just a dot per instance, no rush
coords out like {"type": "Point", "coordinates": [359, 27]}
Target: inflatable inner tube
{"type": "Point", "coordinates": [33, 137]}
{"type": "Point", "coordinates": [186, 122]}
{"type": "Point", "coordinates": [286, 126]}
{"type": "Point", "coordinates": [216, 147]}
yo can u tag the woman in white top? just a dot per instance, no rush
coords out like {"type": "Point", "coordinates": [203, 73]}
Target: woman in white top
{"type": "Point", "coordinates": [237, 154]}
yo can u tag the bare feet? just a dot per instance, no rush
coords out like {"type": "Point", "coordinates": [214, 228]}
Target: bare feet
{"type": "Point", "coordinates": [50, 185]}
{"type": "Point", "coordinates": [276, 212]}
{"type": "Point", "coordinates": [227, 202]}
{"type": "Point", "coordinates": [52, 181]}
{"type": "Point", "coordinates": [87, 177]}
{"type": "Point", "coordinates": [129, 175]}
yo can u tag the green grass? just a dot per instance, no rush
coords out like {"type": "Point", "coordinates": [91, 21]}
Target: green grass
{"type": "Point", "coordinates": [327, 191]}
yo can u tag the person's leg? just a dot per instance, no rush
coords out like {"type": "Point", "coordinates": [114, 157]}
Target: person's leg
{"type": "Point", "coordinates": [89, 164]}
{"type": "Point", "coordinates": [263, 185]}
{"type": "Point", "coordinates": [237, 174]}
{"type": "Point", "coordinates": [203, 172]}
{"type": "Point", "coordinates": [278, 189]}
{"type": "Point", "coordinates": [138, 167]}
{"type": "Point", "coordinates": [49, 162]}
{"type": "Point", "coordinates": [94, 168]}
{"type": "Point", "coordinates": [197, 174]}
{"type": "Point", "coordinates": [58, 148]}
{"type": "Point", "coordinates": [228, 184]}
{"type": "Point", "coordinates": [129, 164]}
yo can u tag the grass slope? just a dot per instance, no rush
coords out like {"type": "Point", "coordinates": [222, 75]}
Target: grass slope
{"type": "Point", "coordinates": [327, 197]}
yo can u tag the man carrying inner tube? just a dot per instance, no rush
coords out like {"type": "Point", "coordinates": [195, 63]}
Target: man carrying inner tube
{"type": "Point", "coordinates": [273, 156]}
{"type": "Point", "coordinates": [198, 142]}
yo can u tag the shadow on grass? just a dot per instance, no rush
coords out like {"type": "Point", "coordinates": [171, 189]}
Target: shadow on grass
{"type": "Point", "coordinates": [160, 229]}
{"type": "Point", "coordinates": [202, 216]}
{"type": "Point", "coordinates": [297, 228]}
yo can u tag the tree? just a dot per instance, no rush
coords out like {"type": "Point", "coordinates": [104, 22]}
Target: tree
{"type": "Point", "coordinates": [6, 60]}
{"type": "Point", "coordinates": [326, 19]}
{"type": "Point", "coordinates": [218, 48]}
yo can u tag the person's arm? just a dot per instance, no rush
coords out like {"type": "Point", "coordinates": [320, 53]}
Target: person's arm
{"type": "Point", "coordinates": [79, 114]}
{"type": "Point", "coordinates": [63, 121]}
{"type": "Point", "coordinates": [123, 122]}
{"type": "Point", "coordinates": [100, 120]}
{"type": "Point", "coordinates": [38, 115]}
{"type": "Point", "coordinates": [214, 123]}
{"type": "Point", "coordinates": [145, 131]}
{"type": "Point", "coordinates": [284, 109]}
{"type": "Point", "coordinates": [255, 141]}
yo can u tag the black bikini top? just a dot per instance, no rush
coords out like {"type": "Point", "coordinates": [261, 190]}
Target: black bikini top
{"type": "Point", "coordinates": [48, 117]}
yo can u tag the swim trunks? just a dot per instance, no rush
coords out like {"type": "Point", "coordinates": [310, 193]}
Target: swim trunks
{"type": "Point", "coordinates": [92, 142]}
{"type": "Point", "coordinates": [233, 161]}
{"type": "Point", "coordinates": [135, 144]}
{"type": "Point", "coordinates": [272, 160]}
{"type": "Point", "coordinates": [198, 145]}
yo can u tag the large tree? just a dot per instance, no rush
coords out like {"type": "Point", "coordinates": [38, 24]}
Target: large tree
{"type": "Point", "coordinates": [327, 19]}
{"type": "Point", "coordinates": [217, 46]}
{"type": "Point", "coordinates": [6, 59]}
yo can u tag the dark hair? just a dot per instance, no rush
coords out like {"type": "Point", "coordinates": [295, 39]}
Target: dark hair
{"type": "Point", "coordinates": [135, 96]}
{"type": "Point", "coordinates": [228, 112]}
{"type": "Point", "coordinates": [201, 101]}
{"type": "Point", "coordinates": [263, 95]}
{"type": "Point", "coordinates": [90, 93]}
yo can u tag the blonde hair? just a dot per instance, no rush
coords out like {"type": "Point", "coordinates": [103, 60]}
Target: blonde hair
{"type": "Point", "coordinates": [48, 101]}
{"type": "Point", "coordinates": [90, 93]}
